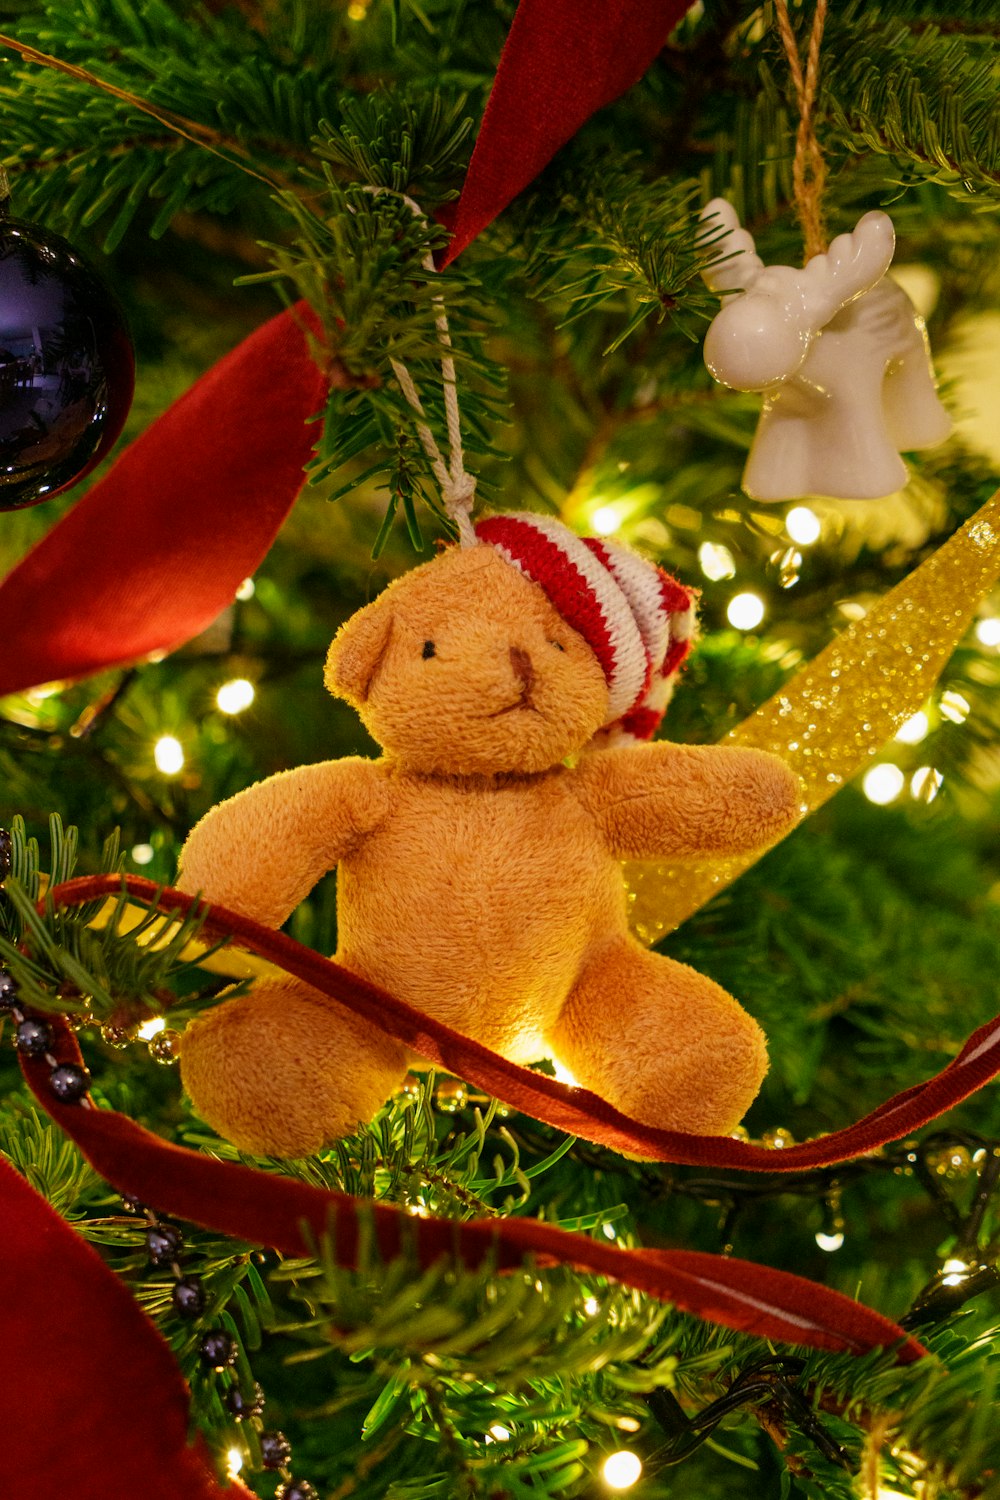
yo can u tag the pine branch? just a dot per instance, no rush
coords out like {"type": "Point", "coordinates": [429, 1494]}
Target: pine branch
{"type": "Point", "coordinates": [923, 100]}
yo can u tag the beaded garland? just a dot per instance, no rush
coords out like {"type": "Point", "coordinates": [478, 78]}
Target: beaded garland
{"type": "Point", "coordinates": [164, 1240]}
{"type": "Point", "coordinates": [217, 1348]}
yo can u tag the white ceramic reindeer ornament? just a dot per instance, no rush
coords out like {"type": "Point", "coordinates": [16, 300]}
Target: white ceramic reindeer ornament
{"type": "Point", "coordinates": [841, 356]}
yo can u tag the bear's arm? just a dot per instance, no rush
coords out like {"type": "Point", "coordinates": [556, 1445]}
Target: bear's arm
{"type": "Point", "coordinates": [686, 800]}
{"type": "Point", "coordinates": [262, 852]}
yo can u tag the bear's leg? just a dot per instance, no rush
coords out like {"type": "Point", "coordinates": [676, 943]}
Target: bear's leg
{"type": "Point", "coordinates": [284, 1070]}
{"type": "Point", "coordinates": [660, 1042]}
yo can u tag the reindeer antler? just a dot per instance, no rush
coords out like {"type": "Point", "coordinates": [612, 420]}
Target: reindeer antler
{"type": "Point", "coordinates": [737, 264]}
{"type": "Point", "coordinates": [852, 265]}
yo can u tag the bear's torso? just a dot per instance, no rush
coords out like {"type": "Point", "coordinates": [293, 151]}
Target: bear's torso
{"type": "Point", "coordinates": [477, 903]}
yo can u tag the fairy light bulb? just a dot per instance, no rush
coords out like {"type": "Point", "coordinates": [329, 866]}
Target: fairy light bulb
{"type": "Point", "coordinates": [914, 729]}
{"type": "Point", "coordinates": [925, 783]}
{"type": "Point", "coordinates": [882, 784]}
{"type": "Point", "coordinates": [234, 1462]}
{"type": "Point", "coordinates": [591, 1306]}
{"type": "Point", "coordinates": [829, 1242]}
{"type": "Point", "coordinates": [608, 1231]}
{"type": "Point", "coordinates": [246, 590]}
{"type": "Point", "coordinates": [606, 519]}
{"type": "Point", "coordinates": [988, 631]}
{"type": "Point", "coordinates": [563, 1075]}
{"type": "Point", "coordinates": [168, 753]}
{"type": "Point", "coordinates": [954, 706]}
{"type": "Point", "coordinates": [745, 611]}
{"type": "Point", "coordinates": [152, 1028]}
{"type": "Point", "coordinates": [621, 1470]}
{"type": "Point", "coordinates": [803, 525]}
{"type": "Point", "coordinates": [142, 854]}
{"type": "Point", "coordinates": [499, 1433]}
{"type": "Point", "coordinates": [234, 696]}
{"type": "Point", "coordinates": [716, 561]}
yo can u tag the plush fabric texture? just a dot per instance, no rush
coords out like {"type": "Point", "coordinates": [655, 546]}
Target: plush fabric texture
{"type": "Point", "coordinates": [478, 873]}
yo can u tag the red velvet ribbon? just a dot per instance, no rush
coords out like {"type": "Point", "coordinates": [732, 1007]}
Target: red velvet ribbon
{"type": "Point", "coordinates": [563, 60]}
{"type": "Point", "coordinates": [158, 547]}
{"type": "Point", "coordinates": [97, 1407]}
{"type": "Point", "coordinates": [574, 1110]}
{"type": "Point", "coordinates": [155, 550]}
{"type": "Point", "coordinates": [269, 1210]}
{"type": "Point", "coordinates": [292, 1217]}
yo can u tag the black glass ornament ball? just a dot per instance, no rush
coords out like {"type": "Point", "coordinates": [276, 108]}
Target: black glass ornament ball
{"type": "Point", "coordinates": [67, 370]}
{"type": "Point", "coordinates": [218, 1349]}
{"type": "Point", "coordinates": [164, 1243]}
{"type": "Point", "coordinates": [244, 1407]}
{"type": "Point", "coordinates": [69, 1082]}
{"type": "Point", "coordinates": [33, 1036]}
{"type": "Point", "coordinates": [8, 990]}
{"type": "Point", "coordinates": [275, 1450]}
{"type": "Point", "coordinates": [296, 1489]}
{"type": "Point", "coordinates": [6, 853]}
{"type": "Point", "coordinates": [188, 1297]}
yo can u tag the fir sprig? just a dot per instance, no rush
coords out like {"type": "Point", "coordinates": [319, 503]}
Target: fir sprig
{"type": "Point", "coordinates": [111, 959]}
{"type": "Point", "coordinates": [920, 97]}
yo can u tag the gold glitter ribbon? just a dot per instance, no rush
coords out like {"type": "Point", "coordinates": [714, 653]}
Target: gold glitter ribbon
{"type": "Point", "coordinates": [837, 712]}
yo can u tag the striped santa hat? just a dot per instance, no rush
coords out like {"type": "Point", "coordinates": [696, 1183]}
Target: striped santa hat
{"type": "Point", "coordinates": [638, 621]}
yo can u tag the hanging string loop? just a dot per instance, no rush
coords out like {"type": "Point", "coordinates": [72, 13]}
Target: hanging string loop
{"type": "Point", "coordinates": [457, 486]}
{"type": "Point", "coordinates": [809, 166]}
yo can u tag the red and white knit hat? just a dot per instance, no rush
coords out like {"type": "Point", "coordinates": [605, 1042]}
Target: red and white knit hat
{"type": "Point", "coordinates": [637, 620]}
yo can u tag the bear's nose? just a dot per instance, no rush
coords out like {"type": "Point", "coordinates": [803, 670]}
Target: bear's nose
{"type": "Point", "coordinates": [523, 669]}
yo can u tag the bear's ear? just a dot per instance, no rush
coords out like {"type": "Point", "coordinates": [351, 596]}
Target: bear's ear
{"type": "Point", "coordinates": [356, 652]}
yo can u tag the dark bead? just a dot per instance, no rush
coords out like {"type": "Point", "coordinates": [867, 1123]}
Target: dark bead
{"type": "Point", "coordinates": [275, 1450]}
{"type": "Point", "coordinates": [8, 990]}
{"type": "Point", "coordinates": [188, 1297]}
{"type": "Point", "coordinates": [164, 1243]}
{"type": "Point", "coordinates": [218, 1349]}
{"type": "Point", "coordinates": [244, 1407]}
{"type": "Point", "coordinates": [69, 1083]}
{"type": "Point", "coordinates": [6, 853]}
{"type": "Point", "coordinates": [296, 1489]}
{"type": "Point", "coordinates": [34, 1036]}
{"type": "Point", "coordinates": [66, 365]}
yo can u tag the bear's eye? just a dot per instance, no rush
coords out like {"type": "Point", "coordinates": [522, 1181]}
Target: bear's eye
{"type": "Point", "coordinates": [429, 650]}
{"type": "Point", "coordinates": [558, 645]}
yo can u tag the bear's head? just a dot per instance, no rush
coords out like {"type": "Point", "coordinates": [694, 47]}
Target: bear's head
{"type": "Point", "coordinates": [463, 667]}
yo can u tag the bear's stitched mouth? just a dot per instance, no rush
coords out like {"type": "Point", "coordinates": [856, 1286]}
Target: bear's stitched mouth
{"type": "Point", "coordinates": [525, 701]}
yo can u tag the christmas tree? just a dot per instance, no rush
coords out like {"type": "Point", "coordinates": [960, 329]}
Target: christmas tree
{"type": "Point", "coordinates": [271, 188]}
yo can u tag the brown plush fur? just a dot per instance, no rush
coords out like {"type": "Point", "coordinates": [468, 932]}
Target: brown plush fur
{"type": "Point", "coordinates": [478, 874]}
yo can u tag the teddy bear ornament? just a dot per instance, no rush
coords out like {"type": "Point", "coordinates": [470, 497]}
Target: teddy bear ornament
{"type": "Point", "coordinates": [514, 685]}
{"type": "Point", "coordinates": [840, 354]}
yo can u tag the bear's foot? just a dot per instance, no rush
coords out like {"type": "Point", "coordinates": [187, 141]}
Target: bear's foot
{"type": "Point", "coordinates": [660, 1042]}
{"type": "Point", "coordinates": [284, 1070]}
